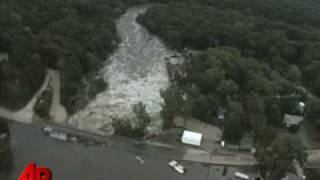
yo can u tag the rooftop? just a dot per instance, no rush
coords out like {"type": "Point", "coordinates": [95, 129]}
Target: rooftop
{"type": "Point", "coordinates": [290, 120]}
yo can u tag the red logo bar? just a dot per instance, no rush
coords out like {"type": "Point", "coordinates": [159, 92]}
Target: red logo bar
{"type": "Point", "coordinates": [31, 172]}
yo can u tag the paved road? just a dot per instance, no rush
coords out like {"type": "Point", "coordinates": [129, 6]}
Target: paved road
{"type": "Point", "coordinates": [70, 161]}
{"type": "Point", "coordinates": [57, 112]}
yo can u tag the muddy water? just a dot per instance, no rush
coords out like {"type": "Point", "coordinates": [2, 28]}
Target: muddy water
{"type": "Point", "coordinates": [136, 72]}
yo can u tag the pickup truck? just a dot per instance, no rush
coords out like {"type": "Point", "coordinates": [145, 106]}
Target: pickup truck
{"type": "Point", "coordinates": [177, 167]}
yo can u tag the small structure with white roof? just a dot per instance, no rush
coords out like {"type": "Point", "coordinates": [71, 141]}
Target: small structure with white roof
{"type": "Point", "coordinates": [191, 138]}
{"type": "Point", "coordinates": [292, 120]}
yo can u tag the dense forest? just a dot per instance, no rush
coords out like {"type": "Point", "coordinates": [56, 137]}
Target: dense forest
{"type": "Point", "coordinates": [252, 59]}
{"type": "Point", "coordinates": [73, 37]}
{"type": "Point", "coordinates": [249, 60]}
{"type": "Point", "coordinates": [298, 12]}
{"type": "Point", "coordinates": [281, 55]}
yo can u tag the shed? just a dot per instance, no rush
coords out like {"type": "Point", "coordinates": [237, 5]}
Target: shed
{"type": "Point", "coordinates": [192, 138]}
{"type": "Point", "coordinates": [290, 120]}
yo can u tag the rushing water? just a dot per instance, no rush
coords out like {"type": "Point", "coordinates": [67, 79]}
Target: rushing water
{"type": "Point", "coordinates": [136, 72]}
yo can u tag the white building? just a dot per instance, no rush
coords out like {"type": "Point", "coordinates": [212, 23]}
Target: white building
{"type": "Point", "coordinates": [191, 138]}
{"type": "Point", "coordinates": [291, 120]}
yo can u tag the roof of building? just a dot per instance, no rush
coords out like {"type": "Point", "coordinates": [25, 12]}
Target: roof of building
{"type": "Point", "coordinates": [290, 120]}
{"type": "Point", "coordinates": [192, 138]}
{"type": "Point", "coordinates": [290, 176]}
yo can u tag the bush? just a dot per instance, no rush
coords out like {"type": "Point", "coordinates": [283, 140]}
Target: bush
{"type": "Point", "coordinates": [43, 104]}
{"type": "Point", "coordinates": [124, 128]}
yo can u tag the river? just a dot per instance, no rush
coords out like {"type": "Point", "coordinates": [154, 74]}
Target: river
{"type": "Point", "coordinates": [136, 72]}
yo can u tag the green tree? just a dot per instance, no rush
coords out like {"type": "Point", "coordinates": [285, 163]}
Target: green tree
{"type": "Point", "coordinates": [234, 129]}
{"type": "Point", "coordinates": [264, 135]}
{"type": "Point", "coordinates": [172, 105]}
{"type": "Point", "coordinates": [313, 111]}
{"type": "Point", "coordinates": [142, 115]}
{"type": "Point", "coordinates": [273, 111]}
{"type": "Point", "coordinates": [228, 88]}
{"type": "Point", "coordinates": [276, 158]}
{"type": "Point", "coordinates": [254, 111]}
{"type": "Point", "coordinates": [294, 75]}
{"type": "Point", "coordinates": [201, 108]}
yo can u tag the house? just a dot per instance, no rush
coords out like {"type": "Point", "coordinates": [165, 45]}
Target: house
{"type": "Point", "coordinates": [292, 120]}
{"type": "Point", "coordinates": [4, 57]}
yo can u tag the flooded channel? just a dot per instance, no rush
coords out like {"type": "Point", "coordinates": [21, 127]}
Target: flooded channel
{"type": "Point", "coordinates": [136, 72]}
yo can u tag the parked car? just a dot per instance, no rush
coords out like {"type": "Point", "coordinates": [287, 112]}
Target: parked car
{"type": "Point", "coordinates": [177, 167]}
{"type": "Point", "coordinates": [47, 130]}
{"type": "Point", "coordinates": [59, 135]}
{"type": "Point", "coordinates": [140, 160]}
{"type": "Point", "coordinates": [241, 176]}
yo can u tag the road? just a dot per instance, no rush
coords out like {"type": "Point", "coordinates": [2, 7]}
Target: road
{"type": "Point", "coordinates": [71, 161]}
{"type": "Point", "coordinates": [57, 112]}
{"type": "Point", "coordinates": [25, 115]}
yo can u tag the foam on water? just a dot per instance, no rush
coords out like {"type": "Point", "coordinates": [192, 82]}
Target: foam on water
{"type": "Point", "coordinates": [136, 72]}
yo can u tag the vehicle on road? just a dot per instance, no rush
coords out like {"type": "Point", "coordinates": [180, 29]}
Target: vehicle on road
{"type": "Point", "coordinates": [177, 167]}
{"type": "Point", "coordinates": [59, 135]}
{"type": "Point", "coordinates": [241, 176]}
{"type": "Point", "coordinates": [47, 130]}
{"type": "Point", "coordinates": [140, 160]}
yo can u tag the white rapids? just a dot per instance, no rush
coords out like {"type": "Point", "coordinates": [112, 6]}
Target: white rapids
{"type": "Point", "coordinates": [136, 72]}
